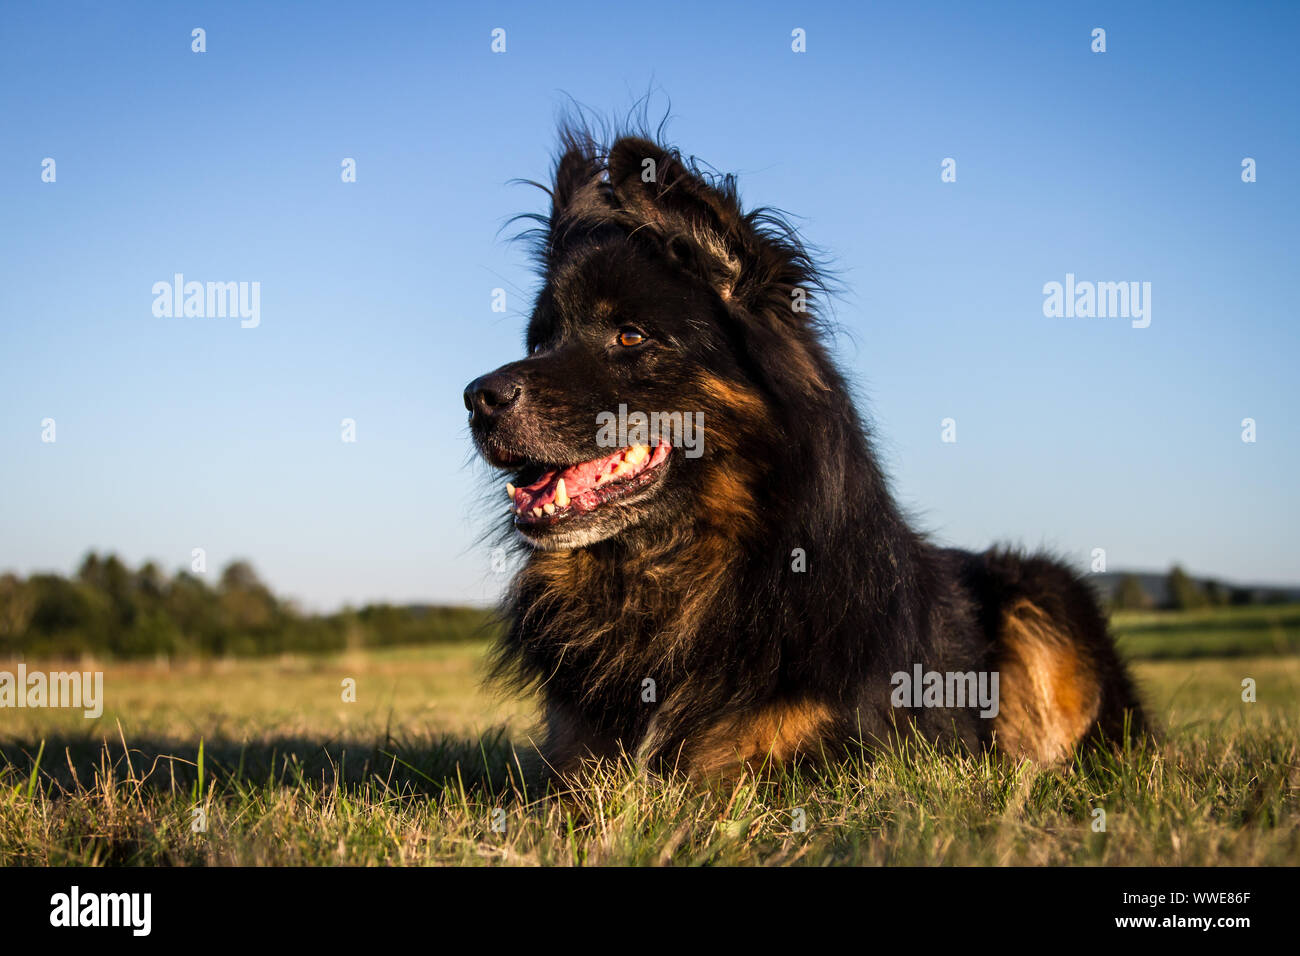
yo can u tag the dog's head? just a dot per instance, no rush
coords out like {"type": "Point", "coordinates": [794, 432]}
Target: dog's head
{"type": "Point", "coordinates": [670, 361]}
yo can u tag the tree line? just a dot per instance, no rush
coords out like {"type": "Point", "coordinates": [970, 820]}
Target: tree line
{"type": "Point", "coordinates": [1182, 592]}
{"type": "Point", "coordinates": [108, 608]}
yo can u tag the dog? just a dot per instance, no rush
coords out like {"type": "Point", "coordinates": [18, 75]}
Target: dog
{"type": "Point", "coordinates": [754, 597]}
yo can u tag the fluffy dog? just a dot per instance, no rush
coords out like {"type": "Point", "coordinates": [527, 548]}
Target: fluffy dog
{"type": "Point", "coordinates": [716, 572]}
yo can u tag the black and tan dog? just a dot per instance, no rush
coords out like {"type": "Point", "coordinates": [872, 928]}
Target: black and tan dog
{"type": "Point", "coordinates": [755, 596]}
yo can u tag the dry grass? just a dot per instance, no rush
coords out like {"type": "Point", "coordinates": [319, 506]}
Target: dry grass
{"type": "Point", "coordinates": [421, 766]}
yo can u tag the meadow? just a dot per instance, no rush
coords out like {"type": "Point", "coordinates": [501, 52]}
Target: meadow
{"type": "Point", "coordinates": [262, 761]}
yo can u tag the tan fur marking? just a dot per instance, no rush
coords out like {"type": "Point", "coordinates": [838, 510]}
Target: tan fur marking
{"type": "Point", "coordinates": [1049, 694]}
{"type": "Point", "coordinates": [732, 396]}
{"type": "Point", "coordinates": [773, 735]}
{"type": "Point", "coordinates": [725, 503]}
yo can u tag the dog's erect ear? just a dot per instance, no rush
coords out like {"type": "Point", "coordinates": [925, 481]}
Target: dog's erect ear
{"type": "Point", "coordinates": [654, 183]}
{"type": "Point", "coordinates": [700, 222]}
{"type": "Point", "coordinates": [577, 170]}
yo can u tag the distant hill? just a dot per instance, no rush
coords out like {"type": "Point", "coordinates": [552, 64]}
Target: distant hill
{"type": "Point", "coordinates": [1155, 587]}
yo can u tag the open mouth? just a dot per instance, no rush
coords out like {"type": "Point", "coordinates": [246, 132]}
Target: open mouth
{"type": "Point", "coordinates": [565, 492]}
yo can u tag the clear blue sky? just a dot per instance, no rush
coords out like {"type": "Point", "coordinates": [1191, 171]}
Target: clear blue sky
{"type": "Point", "coordinates": [375, 296]}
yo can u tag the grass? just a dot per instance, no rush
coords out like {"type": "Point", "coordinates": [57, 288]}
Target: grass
{"type": "Point", "coordinates": [1213, 632]}
{"type": "Point", "coordinates": [427, 768]}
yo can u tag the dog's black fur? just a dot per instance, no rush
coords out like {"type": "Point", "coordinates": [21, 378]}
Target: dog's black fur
{"type": "Point", "coordinates": [693, 580]}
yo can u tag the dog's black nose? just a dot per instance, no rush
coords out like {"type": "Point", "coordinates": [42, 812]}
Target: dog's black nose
{"type": "Point", "coordinates": [492, 394]}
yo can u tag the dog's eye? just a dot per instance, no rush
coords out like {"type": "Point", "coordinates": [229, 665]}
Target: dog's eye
{"type": "Point", "coordinates": [630, 337]}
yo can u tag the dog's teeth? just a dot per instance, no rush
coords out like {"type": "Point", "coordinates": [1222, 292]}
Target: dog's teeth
{"type": "Point", "coordinates": [510, 489]}
{"type": "Point", "coordinates": [636, 454]}
{"type": "Point", "coordinates": [561, 494]}
{"type": "Point", "coordinates": [549, 508]}
{"type": "Point", "coordinates": [537, 512]}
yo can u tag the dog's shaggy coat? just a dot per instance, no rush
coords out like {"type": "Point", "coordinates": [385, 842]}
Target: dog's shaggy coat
{"type": "Point", "coordinates": [751, 605]}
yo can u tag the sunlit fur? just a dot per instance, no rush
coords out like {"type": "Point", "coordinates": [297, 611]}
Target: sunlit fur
{"type": "Point", "coordinates": [694, 585]}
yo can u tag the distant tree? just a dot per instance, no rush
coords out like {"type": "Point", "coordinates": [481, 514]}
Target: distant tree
{"type": "Point", "coordinates": [150, 582]}
{"type": "Point", "coordinates": [193, 606]}
{"type": "Point", "coordinates": [16, 606]}
{"type": "Point", "coordinates": [1184, 594]}
{"type": "Point", "coordinates": [240, 576]}
{"type": "Point", "coordinates": [91, 570]}
{"type": "Point", "coordinates": [1130, 596]}
{"type": "Point", "coordinates": [1216, 594]}
{"type": "Point", "coordinates": [248, 606]}
{"type": "Point", "coordinates": [69, 616]}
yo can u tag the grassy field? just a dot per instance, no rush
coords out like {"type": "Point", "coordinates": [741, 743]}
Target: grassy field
{"type": "Point", "coordinates": [1213, 632]}
{"type": "Point", "coordinates": [427, 768]}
